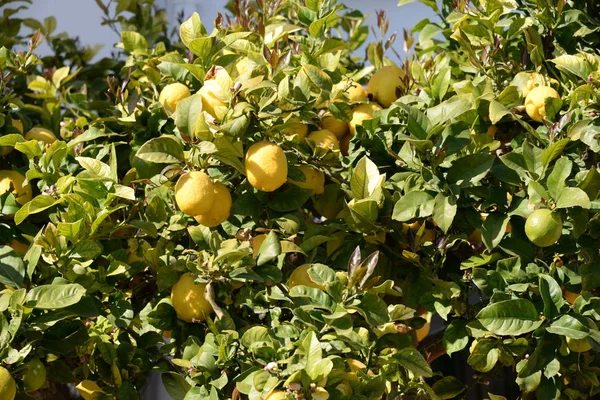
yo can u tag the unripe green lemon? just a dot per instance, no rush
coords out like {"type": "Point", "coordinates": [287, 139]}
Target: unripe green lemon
{"type": "Point", "coordinates": [385, 85]}
{"type": "Point", "coordinates": [8, 387]}
{"type": "Point", "coordinates": [579, 345]}
{"type": "Point", "coordinates": [172, 94]}
{"type": "Point", "coordinates": [266, 166]}
{"type": "Point", "coordinates": [543, 227]}
{"type": "Point", "coordinates": [535, 102]}
{"type": "Point", "coordinates": [314, 179]}
{"type": "Point", "coordinates": [188, 300]}
{"type": "Point", "coordinates": [35, 375]}
{"type": "Point", "coordinates": [194, 193]}
{"type": "Point", "coordinates": [220, 210]}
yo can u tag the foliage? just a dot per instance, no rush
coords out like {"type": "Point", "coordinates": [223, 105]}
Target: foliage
{"type": "Point", "coordinates": [424, 212]}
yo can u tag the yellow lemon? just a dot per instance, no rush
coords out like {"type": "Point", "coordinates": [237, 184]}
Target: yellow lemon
{"type": "Point", "coordinates": [12, 181]}
{"type": "Point", "coordinates": [354, 91]}
{"type": "Point", "coordinates": [386, 85]}
{"type": "Point", "coordinates": [220, 210]}
{"type": "Point", "coordinates": [423, 331]}
{"type": "Point", "coordinates": [296, 128]}
{"type": "Point", "coordinates": [360, 114]}
{"type": "Point", "coordinates": [266, 166]}
{"type": "Point", "coordinates": [172, 94]}
{"type": "Point", "coordinates": [276, 395]}
{"type": "Point", "coordinates": [189, 301]}
{"type": "Point", "coordinates": [8, 387]}
{"type": "Point", "coordinates": [315, 180]}
{"type": "Point", "coordinates": [571, 297]}
{"type": "Point", "coordinates": [86, 389]}
{"type": "Point", "coordinates": [345, 144]}
{"type": "Point", "coordinates": [324, 139]}
{"type": "Point", "coordinates": [534, 81]}
{"type": "Point", "coordinates": [41, 134]}
{"type": "Point", "coordinates": [543, 227]}
{"type": "Point", "coordinates": [214, 99]}
{"type": "Point", "coordinates": [579, 345]}
{"type": "Point", "coordinates": [194, 193]}
{"type": "Point", "coordinates": [35, 375]}
{"type": "Point", "coordinates": [256, 242]}
{"type": "Point", "coordinates": [335, 126]}
{"type": "Point", "coordinates": [535, 102]}
{"type": "Point", "coordinates": [300, 277]}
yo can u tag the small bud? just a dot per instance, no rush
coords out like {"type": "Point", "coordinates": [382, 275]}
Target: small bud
{"type": "Point", "coordinates": [272, 366]}
{"type": "Point", "coordinates": [295, 386]}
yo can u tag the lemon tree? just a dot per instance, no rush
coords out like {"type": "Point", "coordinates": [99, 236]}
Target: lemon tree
{"type": "Point", "coordinates": [260, 211]}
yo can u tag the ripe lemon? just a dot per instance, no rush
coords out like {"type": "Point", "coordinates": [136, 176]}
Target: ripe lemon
{"type": "Point", "coordinates": [295, 127]}
{"type": "Point", "coordinates": [214, 98]}
{"type": "Point", "coordinates": [354, 91]}
{"type": "Point", "coordinates": [579, 345]}
{"type": "Point", "coordinates": [315, 180]}
{"type": "Point", "coordinates": [86, 389]}
{"type": "Point", "coordinates": [276, 395]}
{"type": "Point", "coordinates": [535, 102]}
{"type": "Point", "coordinates": [189, 301]}
{"type": "Point", "coordinates": [300, 277]}
{"type": "Point", "coordinates": [385, 85]}
{"type": "Point", "coordinates": [172, 94]}
{"type": "Point", "coordinates": [423, 331]}
{"type": "Point", "coordinates": [266, 166]}
{"type": "Point", "coordinates": [335, 126]}
{"type": "Point", "coordinates": [360, 114]}
{"type": "Point", "coordinates": [41, 134]}
{"type": "Point", "coordinates": [571, 297]}
{"type": "Point", "coordinates": [8, 387]}
{"type": "Point", "coordinates": [256, 242]}
{"type": "Point", "coordinates": [12, 181]}
{"type": "Point", "coordinates": [194, 193]}
{"type": "Point", "coordinates": [324, 139]}
{"type": "Point", "coordinates": [35, 375]}
{"type": "Point", "coordinates": [543, 227]}
{"type": "Point", "coordinates": [220, 210]}
{"type": "Point", "coordinates": [534, 81]}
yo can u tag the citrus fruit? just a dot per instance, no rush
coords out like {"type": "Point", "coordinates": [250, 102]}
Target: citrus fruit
{"type": "Point", "coordinates": [12, 181]}
{"type": "Point", "coordinates": [296, 128]}
{"type": "Point", "coordinates": [385, 85]}
{"type": "Point", "coordinates": [579, 345]}
{"type": "Point", "coordinates": [324, 139]}
{"type": "Point", "coordinates": [571, 297]}
{"type": "Point", "coordinates": [276, 395]}
{"type": "Point", "coordinates": [188, 299]}
{"type": "Point", "coordinates": [220, 210]}
{"type": "Point", "coordinates": [86, 389]}
{"type": "Point", "coordinates": [214, 99]}
{"type": "Point", "coordinates": [534, 81]}
{"type": "Point", "coordinates": [172, 94]}
{"type": "Point", "coordinates": [41, 134]}
{"type": "Point", "coordinates": [543, 227]}
{"type": "Point", "coordinates": [334, 125]}
{"type": "Point", "coordinates": [314, 179]}
{"type": "Point", "coordinates": [423, 331]}
{"type": "Point", "coordinates": [194, 193]}
{"type": "Point", "coordinates": [5, 150]}
{"type": "Point", "coordinates": [300, 277]}
{"type": "Point", "coordinates": [266, 166]}
{"type": "Point", "coordinates": [35, 375]}
{"type": "Point", "coordinates": [535, 102]}
{"type": "Point", "coordinates": [354, 91]}
{"type": "Point", "coordinates": [8, 387]}
{"type": "Point", "coordinates": [360, 114]}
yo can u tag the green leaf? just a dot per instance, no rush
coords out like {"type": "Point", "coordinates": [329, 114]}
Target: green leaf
{"type": "Point", "coordinates": [175, 385]}
{"type": "Point", "coordinates": [38, 204]}
{"type": "Point", "coordinates": [373, 309]}
{"type": "Point", "coordinates": [48, 297]}
{"type": "Point", "coordinates": [134, 42]}
{"type": "Point", "coordinates": [191, 29]}
{"type": "Point", "coordinates": [413, 205]}
{"type": "Point", "coordinates": [510, 317]}
{"type": "Point", "coordinates": [269, 249]}
{"type": "Point", "coordinates": [449, 110]}
{"type": "Point", "coordinates": [456, 336]}
{"type": "Point", "coordinates": [292, 198]}
{"type": "Point", "coordinates": [366, 180]}
{"type": "Point", "coordinates": [497, 111]}
{"type": "Point", "coordinates": [553, 151]}
{"type": "Point", "coordinates": [484, 356]}
{"type": "Point", "coordinates": [161, 150]}
{"type": "Point", "coordinates": [418, 123]}
{"type": "Point", "coordinates": [573, 64]}
{"type": "Point", "coordinates": [12, 268]}
{"type": "Point", "coordinates": [570, 327]}
{"type": "Point", "coordinates": [413, 361]}
{"type": "Point", "coordinates": [551, 295]}
{"type": "Point", "coordinates": [470, 169]}
{"type": "Point", "coordinates": [444, 211]}
{"type": "Point", "coordinates": [190, 119]}
{"type": "Point", "coordinates": [316, 75]}
{"type": "Point", "coordinates": [558, 177]}
{"type": "Point", "coordinates": [573, 197]}
{"type": "Point", "coordinates": [493, 229]}
{"type": "Point", "coordinates": [448, 387]}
